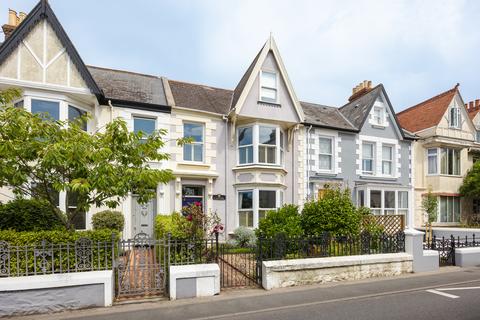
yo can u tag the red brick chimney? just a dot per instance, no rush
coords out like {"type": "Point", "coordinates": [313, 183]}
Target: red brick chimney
{"type": "Point", "coordinates": [13, 22]}
{"type": "Point", "coordinates": [360, 89]}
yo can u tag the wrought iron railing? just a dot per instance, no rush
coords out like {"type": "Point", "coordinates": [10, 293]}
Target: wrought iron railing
{"type": "Point", "coordinates": [446, 246]}
{"type": "Point", "coordinates": [49, 258]}
{"type": "Point", "coordinates": [327, 245]}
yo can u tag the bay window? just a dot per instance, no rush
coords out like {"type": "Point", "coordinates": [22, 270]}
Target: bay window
{"type": "Point", "coordinates": [449, 209]}
{"type": "Point", "coordinates": [432, 160]}
{"type": "Point", "coordinates": [383, 202]}
{"type": "Point", "coordinates": [267, 145]}
{"type": "Point", "coordinates": [387, 160]}
{"type": "Point", "coordinates": [245, 145]}
{"type": "Point", "coordinates": [47, 109]}
{"type": "Point", "coordinates": [75, 113]}
{"type": "Point", "coordinates": [368, 151]}
{"type": "Point", "coordinates": [447, 159]}
{"type": "Point", "coordinates": [325, 162]}
{"type": "Point", "coordinates": [254, 204]}
{"type": "Point", "coordinates": [245, 208]}
{"type": "Point", "coordinates": [193, 151]}
{"type": "Point", "coordinates": [268, 87]}
{"type": "Point", "coordinates": [260, 144]}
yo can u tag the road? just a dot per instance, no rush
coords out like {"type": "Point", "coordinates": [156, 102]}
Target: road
{"type": "Point", "coordinates": [453, 293]}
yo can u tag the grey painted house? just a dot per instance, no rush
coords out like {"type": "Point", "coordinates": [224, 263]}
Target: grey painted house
{"type": "Point", "coordinates": [360, 146]}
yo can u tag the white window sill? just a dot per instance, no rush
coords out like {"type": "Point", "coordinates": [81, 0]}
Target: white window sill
{"type": "Point", "coordinates": [379, 126]}
{"type": "Point", "coordinates": [193, 163]}
{"type": "Point", "coordinates": [259, 166]}
{"type": "Point", "coordinates": [445, 175]}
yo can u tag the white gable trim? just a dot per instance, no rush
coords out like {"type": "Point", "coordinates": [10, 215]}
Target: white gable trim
{"type": "Point", "coordinates": [269, 46]}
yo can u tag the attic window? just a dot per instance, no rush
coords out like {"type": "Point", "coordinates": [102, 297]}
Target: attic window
{"type": "Point", "coordinates": [268, 87]}
{"type": "Point", "coordinates": [378, 116]}
{"type": "Point", "coordinates": [455, 117]}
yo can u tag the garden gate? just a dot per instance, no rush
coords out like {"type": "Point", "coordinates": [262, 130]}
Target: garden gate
{"type": "Point", "coordinates": [141, 267]}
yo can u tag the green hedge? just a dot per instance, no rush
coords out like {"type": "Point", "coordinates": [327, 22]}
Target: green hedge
{"type": "Point", "coordinates": [26, 250]}
{"type": "Point", "coordinates": [108, 219]}
{"type": "Point", "coordinates": [28, 215]}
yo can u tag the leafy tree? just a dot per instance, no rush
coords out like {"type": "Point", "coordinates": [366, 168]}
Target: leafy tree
{"type": "Point", "coordinates": [285, 220]}
{"type": "Point", "coordinates": [430, 205]}
{"type": "Point", "coordinates": [471, 183]}
{"type": "Point", "coordinates": [334, 213]}
{"type": "Point", "coordinates": [40, 157]}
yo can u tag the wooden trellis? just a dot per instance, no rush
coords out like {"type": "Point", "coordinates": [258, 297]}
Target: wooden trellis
{"type": "Point", "coordinates": [391, 223]}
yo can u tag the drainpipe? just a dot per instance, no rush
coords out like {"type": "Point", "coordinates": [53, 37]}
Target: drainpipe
{"type": "Point", "coordinates": [308, 162]}
{"type": "Point", "coordinates": [225, 118]}
{"type": "Point", "coordinates": [111, 110]}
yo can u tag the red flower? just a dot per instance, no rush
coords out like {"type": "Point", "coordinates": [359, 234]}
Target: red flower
{"type": "Point", "coordinates": [189, 217]}
{"type": "Point", "coordinates": [198, 204]}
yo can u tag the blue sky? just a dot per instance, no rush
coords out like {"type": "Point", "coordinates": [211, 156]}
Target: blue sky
{"type": "Point", "coordinates": [415, 48]}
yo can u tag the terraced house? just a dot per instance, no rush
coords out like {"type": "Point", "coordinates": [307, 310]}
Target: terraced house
{"type": "Point", "coordinates": [246, 157]}
{"type": "Point", "coordinates": [444, 152]}
{"type": "Point", "coordinates": [254, 148]}
{"type": "Point", "coordinates": [360, 146]}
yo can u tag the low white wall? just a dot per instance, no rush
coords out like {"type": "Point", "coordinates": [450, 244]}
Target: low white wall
{"type": "Point", "coordinates": [196, 280]}
{"type": "Point", "coordinates": [286, 273]}
{"type": "Point", "coordinates": [467, 257]}
{"type": "Point", "coordinates": [56, 292]}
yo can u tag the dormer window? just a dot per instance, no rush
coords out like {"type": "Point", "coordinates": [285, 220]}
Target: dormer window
{"type": "Point", "coordinates": [378, 116]}
{"type": "Point", "coordinates": [268, 87]}
{"type": "Point", "coordinates": [455, 117]}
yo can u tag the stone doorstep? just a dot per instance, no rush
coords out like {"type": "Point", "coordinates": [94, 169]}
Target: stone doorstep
{"type": "Point", "coordinates": [332, 262]}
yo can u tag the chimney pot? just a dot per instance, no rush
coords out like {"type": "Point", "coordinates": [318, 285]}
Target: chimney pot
{"type": "Point", "coordinates": [22, 16]}
{"type": "Point", "coordinates": [12, 17]}
{"type": "Point", "coordinates": [470, 105]}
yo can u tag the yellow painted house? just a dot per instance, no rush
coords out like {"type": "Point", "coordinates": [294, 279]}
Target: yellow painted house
{"type": "Point", "coordinates": [442, 155]}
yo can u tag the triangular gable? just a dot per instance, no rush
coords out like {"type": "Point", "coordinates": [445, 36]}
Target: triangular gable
{"type": "Point", "coordinates": [428, 113]}
{"type": "Point", "coordinates": [458, 101]}
{"type": "Point", "coordinates": [248, 79]}
{"type": "Point", "coordinates": [43, 11]}
{"type": "Point", "coordinates": [358, 110]}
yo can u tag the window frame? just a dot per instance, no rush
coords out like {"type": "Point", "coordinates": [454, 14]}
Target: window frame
{"type": "Point", "coordinates": [261, 97]}
{"type": "Point", "coordinates": [279, 150]}
{"type": "Point", "coordinates": [372, 159]}
{"type": "Point", "coordinates": [382, 209]}
{"type": "Point", "coordinates": [453, 214]}
{"type": "Point", "coordinates": [331, 154]}
{"type": "Point", "coordinates": [391, 161]}
{"type": "Point", "coordinates": [450, 154]}
{"type": "Point", "coordinates": [380, 118]}
{"type": "Point", "coordinates": [279, 199]}
{"type": "Point", "coordinates": [192, 144]}
{"type": "Point", "coordinates": [246, 146]}
{"type": "Point", "coordinates": [455, 114]}
{"type": "Point", "coordinates": [143, 117]}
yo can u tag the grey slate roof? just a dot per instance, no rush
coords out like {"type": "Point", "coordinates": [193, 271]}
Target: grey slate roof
{"type": "Point", "coordinates": [129, 86]}
{"type": "Point", "coordinates": [357, 110]}
{"type": "Point", "coordinates": [325, 116]}
{"type": "Point", "coordinates": [241, 84]}
{"type": "Point", "coordinates": [201, 97]}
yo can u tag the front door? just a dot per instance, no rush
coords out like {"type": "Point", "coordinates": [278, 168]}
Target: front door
{"type": "Point", "coordinates": [143, 216]}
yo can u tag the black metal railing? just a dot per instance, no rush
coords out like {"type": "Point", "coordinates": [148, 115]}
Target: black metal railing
{"type": "Point", "coordinates": [327, 245]}
{"type": "Point", "coordinates": [49, 258]}
{"type": "Point", "coordinates": [446, 246]}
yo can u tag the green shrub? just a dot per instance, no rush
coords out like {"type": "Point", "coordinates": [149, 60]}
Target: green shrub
{"type": "Point", "coordinates": [175, 224]}
{"type": "Point", "coordinates": [108, 219]}
{"type": "Point", "coordinates": [285, 220]}
{"type": "Point", "coordinates": [334, 213]}
{"type": "Point", "coordinates": [28, 215]}
{"type": "Point", "coordinates": [60, 249]}
{"type": "Point", "coordinates": [244, 237]}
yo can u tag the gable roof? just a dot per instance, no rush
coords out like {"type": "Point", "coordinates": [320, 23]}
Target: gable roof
{"type": "Point", "coordinates": [43, 11]}
{"type": "Point", "coordinates": [358, 110]}
{"type": "Point", "coordinates": [201, 97]}
{"type": "Point", "coordinates": [325, 116]}
{"type": "Point", "coordinates": [428, 113]}
{"type": "Point", "coordinates": [246, 82]}
{"type": "Point", "coordinates": [125, 87]}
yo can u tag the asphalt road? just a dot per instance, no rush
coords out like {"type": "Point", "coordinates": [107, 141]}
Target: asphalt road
{"type": "Point", "coordinates": [403, 297]}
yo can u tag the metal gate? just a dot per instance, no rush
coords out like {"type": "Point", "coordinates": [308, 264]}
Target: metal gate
{"type": "Point", "coordinates": [141, 267]}
{"type": "Point", "coordinates": [445, 248]}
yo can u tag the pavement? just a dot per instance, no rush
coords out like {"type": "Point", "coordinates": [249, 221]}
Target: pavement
{"type": "Point", "coordinates": [452, 293]}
